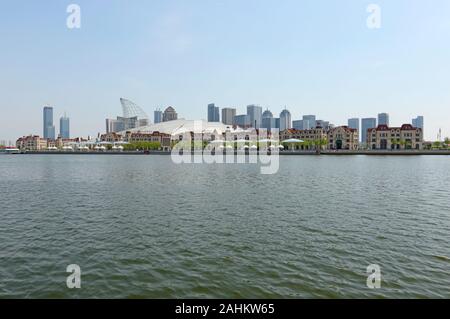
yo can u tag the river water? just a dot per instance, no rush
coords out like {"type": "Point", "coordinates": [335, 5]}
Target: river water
{"type": "Point", "coordinates": [144, 227]}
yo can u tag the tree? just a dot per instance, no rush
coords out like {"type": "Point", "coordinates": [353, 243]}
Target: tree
{"type": "Point", "coordinates": [437, 145]}
{"type": "Point", "coordinates": [395, 142]}
{"type": "Point", "coordinates": [408, 144]}
{"type": "Point", "coordinates": [142, 146]}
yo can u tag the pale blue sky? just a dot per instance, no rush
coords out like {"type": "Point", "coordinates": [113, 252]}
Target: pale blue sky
{"type": "Point", "coordinates": [315, 57]}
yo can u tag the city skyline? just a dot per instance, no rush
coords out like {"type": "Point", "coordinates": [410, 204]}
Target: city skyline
{"type": "Point", "coordinates": [340, 71]}
{"type": "Point", "coordinates": [243, 120]}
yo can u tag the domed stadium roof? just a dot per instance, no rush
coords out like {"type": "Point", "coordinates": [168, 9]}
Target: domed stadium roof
{"type": "Point", "coordinates": [178, 127]}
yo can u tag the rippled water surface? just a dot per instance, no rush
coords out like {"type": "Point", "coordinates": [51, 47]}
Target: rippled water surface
{"type": "Point", "coordinates": [143, 227]}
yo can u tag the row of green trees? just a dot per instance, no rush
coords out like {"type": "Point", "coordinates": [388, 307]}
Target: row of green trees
{"type": "Point", "coordinates": [441, 145]}
{"type": "Point", "coordinates": [401, 142]}
{"type": "Point", "coordinates": [142, 146]}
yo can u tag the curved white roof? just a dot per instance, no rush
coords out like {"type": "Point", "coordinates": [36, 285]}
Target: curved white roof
{"type": "Point", "coordinates": [182, 126]}
{"type": "Point", "coordinates": [131, 109]}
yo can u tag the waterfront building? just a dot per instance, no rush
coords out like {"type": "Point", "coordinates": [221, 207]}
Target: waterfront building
{"type": "Point", "coordinates": [405, 137]}
{"type": "Point", "coordinates": [213, 113]}
{"type": "Point", "coordinates": [111, 137]}
{"type": "Point", "coordinates": [343, 138]}
{"type": "Point", "coordinates": [170, 114]}
{"type": "Point", "coordinates": [157, 116]}
{"type": "Point", "coordinates": [354, 124]}
{"type": "Point", "coordinates": [297, 124]}
{"type": "Point", "coordinates": [64, 127]}
{"type": "Point", "coordinates": [61, 142]}
{"type": "Point", "coordinates": [254, 113]}
{"type": "Point", "coordinates": [285, 120]}
{"type": "Point", "coordinates": [418, 122]}
{"type": "Point", "coordinates": [48, 127]}
{"type": "Point", "coordinates": [383, 119]}
{"type": "Point", "coordinates": [366, 124]}
{"type": "Point", "coordinates": [228, 114]}
{"type": "Point", "coordinates": [162, 138]}
{"type": "Point", "coordinates": [313, 139]}
{"type": "Point", "coordinates": [268, 121]}
{"type": "Point", "coordinates": [243, 121]}
{"type": "Point", "coordinates": [31, 143]}
{"type": "Point", "coordinates": [309, 122]}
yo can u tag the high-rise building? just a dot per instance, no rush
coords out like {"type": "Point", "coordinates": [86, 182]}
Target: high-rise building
{"type": "Point", "coordinates": [323, 124]}
{"type": "Point", "coordinates": [213, 113]}
{"type": "Point", "coordinates": [64, 127]}
{"type": "Point", "coordinates": [383, 119]}
{"type": "Point", "coordinates": [366, 124]}
{"type": "Point", "coordinates": [157, 116]}
{"type": "Point", "coordinates": [268, 122]}
{"type": "Point", "coordinates": [298, 125]}
{"type": "Point", "coordinates": [309, 122]}
{"type": "Point", "coordinates": [354, 124]}
{"type": "Point", "coordinates": [418, 122]}
{"type": "Point", "coordinates": [227, 115]}
{"type": "Point", "coordinates": [170, 114]}
{"type": "Point", "coordinates": [255, 114]}
{"type": "Point", "coordinates": [49, 128]}
{"type": "Point", "coordinates": [113, 126]}
{"type": "Point", "coordinates": [285, 120]}
{"type": "Point", "coordinates": [242, 121]}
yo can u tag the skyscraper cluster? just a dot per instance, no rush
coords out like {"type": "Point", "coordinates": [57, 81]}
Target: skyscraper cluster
{"type": "Point", "coordinates": [49, 130]}
{"type": "Point", "coordinates": [256, 118]}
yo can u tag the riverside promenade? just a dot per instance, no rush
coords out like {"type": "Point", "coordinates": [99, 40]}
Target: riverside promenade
{"type": "Point", "coordinates": [284, 152]}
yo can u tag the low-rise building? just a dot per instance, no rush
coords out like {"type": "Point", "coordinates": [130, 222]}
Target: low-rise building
{"type": "Point", "coordinates": [313, 138]}
{"type": "Point", "coordinates": [32, 143]}
{"type": "Point", "coordinates": [61, 142]}
{"type": "Point", "coordinates": [162, 138]}
{"type": "Point", "coordinates": [343, 138]}
{"type": "Point", "coordinates": [404, 137]}
{"type": "Point", "coordinates": [111, 137]}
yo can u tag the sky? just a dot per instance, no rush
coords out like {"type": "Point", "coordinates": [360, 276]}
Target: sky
{"type": "Point", "coordinates": [310, 56]}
